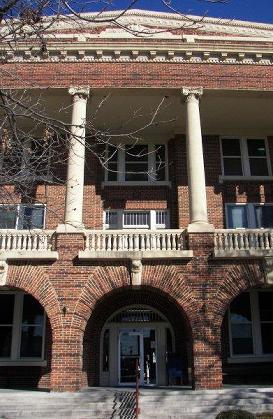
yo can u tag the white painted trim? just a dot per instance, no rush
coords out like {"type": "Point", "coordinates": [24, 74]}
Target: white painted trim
{"type": "Point", "coordinates": [152, 219]}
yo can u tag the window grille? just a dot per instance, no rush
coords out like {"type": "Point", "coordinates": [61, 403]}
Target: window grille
{"type": "Point", "coordinates": [136, 315]}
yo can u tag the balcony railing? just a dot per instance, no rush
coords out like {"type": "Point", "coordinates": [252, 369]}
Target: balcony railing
{"type": "Point", "coordinates": [26, 243]}
{"type": "Point", "coordinates": [243, 242]}
{"type": "Point", "coordinates": [149, 243]}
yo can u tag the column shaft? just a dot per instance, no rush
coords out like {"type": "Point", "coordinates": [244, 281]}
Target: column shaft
{"type": "Point", "coordinates": [76, 159]}
{"type": "Point", "coordinates": [195, 160]}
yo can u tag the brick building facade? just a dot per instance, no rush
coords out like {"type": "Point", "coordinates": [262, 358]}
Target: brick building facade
{"type": "Point", "coordinates": [171, 266]}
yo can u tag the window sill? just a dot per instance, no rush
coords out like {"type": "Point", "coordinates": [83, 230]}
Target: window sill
{"type": "Point", "coordinates": [223, 179]}
{"type": "Point", "coordinates": [23, 363]}
{"type": "Point", "coordinates": [249, 359]}
{"type": "Point", "coordinates": [133, 183]}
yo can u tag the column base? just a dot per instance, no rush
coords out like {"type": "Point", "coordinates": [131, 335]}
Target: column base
{"type": "Point", "coordinates": [200, 227]}
{"type": "Point", "coordinates": [70, 229]}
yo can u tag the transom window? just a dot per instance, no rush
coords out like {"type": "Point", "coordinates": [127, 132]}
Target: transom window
{"type": "Point", "coordinates": [249, 215]}
{"type": "Point", "coordinates": [22, 324]}
{"type": "Point", "coordinates": [136, 163]}
{"type": "Point", "coordinates": [150, 219]}
{"type": "Point", "coordinates": [22, 216]}
{"type": "Point", "coordinates": [251, 324]}
{"type": "Point", "coordinates": [245, 157]}
{"type": "Point", "coordinates": [136, 314]}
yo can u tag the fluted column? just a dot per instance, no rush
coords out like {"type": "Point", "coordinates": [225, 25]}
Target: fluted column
{"type": "Point", "coordinates": [76, 159]}
{"type": "Point", "coordinates": [195, 163]}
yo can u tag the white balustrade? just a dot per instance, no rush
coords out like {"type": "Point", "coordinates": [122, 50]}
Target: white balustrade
{"type": "Point", "coordinates": [135, 240]}
{"type": "Point", "coordinates": [236, 240]}
{"type": "Point", "coordinates": [25, 240]}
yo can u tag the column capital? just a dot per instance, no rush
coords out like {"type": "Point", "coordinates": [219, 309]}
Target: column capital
{"type": "Point", "coordinates": [79, 91]}
{"type": "Point", "coordinates": [189, 92]}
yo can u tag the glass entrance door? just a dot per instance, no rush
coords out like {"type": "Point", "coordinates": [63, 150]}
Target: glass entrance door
{"type": "Point", "coordinates": [137, 347]}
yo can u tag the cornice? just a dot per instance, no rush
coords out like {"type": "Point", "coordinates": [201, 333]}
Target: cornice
{"type": "Point", "coordinates": [188, 53]}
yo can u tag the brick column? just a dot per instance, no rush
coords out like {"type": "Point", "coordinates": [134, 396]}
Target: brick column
{"type": "Point", "coordinates": [76, 159]}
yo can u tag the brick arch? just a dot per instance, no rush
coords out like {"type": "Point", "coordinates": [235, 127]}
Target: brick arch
{"type": "Point", "coordinates": [127, 296]}
{"type": "Point", "coordinates": [168, 279]}
{"type": "Point", "coordinates": [236, 280]}
{"type": "Point", "coordinates": [34, 281]}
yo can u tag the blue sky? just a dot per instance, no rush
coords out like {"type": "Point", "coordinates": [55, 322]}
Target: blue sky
{"type": "Point", "coordinates": [253, 10]}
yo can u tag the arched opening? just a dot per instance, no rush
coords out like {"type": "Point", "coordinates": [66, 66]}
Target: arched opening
{"type": "Point", "coordinates": [143, 325]}
{"type": "Point", "coordinates": [247, 338]}
{"type": "Point", "coordinates": [25, 341]}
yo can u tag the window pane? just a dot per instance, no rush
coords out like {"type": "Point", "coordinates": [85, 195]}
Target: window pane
{"type": "Point", "coordinates": [263, 216]}
{"type": "Point", "coordinates": [231, 147]}
{"type": "Point", "coordinates": [111, 219]}
{"type": "Point", "coordinates": [136, 172]}
{"type": "Point", "coordinates": [258, 167]}
{"type": "Point", "coordinates": [31, 341]}
{"type": "Point", "coordinates": [267, 337]}
{"type": "Point", "coordinates": [7, 217]}
{"type": "Point", "coordinates": [160, 153]}
{"type": "Point", "coordinates": [112, 171]}
{"type": "Point", "coordinates": [160, 174]}
{"type": "Point", "coordinates": [6, 308]}
{"type": "Point", "coordinates": [112, 154]}
{"type": "Point", "coordinates": [161, 217]}
{"type": "Point", "coordinates": [105, 355]}
{"type": "Point", "coordinates": [5, 341]}
{"type": "Point", "coordinates": [240, 311]}
{"type": "Point", "coordinates": [31, 217]}
{"type": "Point", "coordinates": [237, 216]}
{"type": "Point", "coordinates": [33, 312]}
{"type": "Point", "coordinates": [266, 306]}
{"type": "Point", "coordinates": [137, 153]}
{"type": "Point", "coordinates": [233, 167]}
{"type": "Point", "coordinates": [242, 346]}
{"type": "Point", "coordinates": [256, 147]}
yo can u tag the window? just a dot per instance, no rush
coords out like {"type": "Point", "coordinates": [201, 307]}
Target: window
{"type": "Point", "coordinates": [22, 216]}
{"type": "Point", "coordinates": [151, 219]}
{"type": "Point", "coordinates": [249, 215]}
{"type": "Point", "coordinates": [136, 163]}
{"type": "Point", "coordinates": [245, 157]}
{"type": "Point", "coordinates": [251, 324]}
{"type": "Point", "coordinates": [22, 324]}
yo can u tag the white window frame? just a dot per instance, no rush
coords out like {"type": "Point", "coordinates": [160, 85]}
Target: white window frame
{"type": "Point", "coordinates": [152, 226]}
{"type": "Point", "coordinates": [245, 157]}
{"type": "Point", "coordinates": [18, 207]}
{"type": "Point", "coordinates": [258, 355]}
{"type": "Point", "coordinates": [15, 358]}
{"type": "Point", "coordinates": [250, 213]}
{"type": "Point", "coordinates": [151, 165]}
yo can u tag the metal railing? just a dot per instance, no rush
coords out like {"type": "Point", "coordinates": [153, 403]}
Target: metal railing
{"type": "Point", "coordinates": [28, 240]}
{"type": "Point", "coordinates": [253, 239]}
{"type": "Point", "coordinates": [135, 240]}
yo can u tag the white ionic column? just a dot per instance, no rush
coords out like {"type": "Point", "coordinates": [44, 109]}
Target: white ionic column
{"type": "Point", "coordinates": [76, 159]}
{"type": "Point", "coordinates": [195, 163]}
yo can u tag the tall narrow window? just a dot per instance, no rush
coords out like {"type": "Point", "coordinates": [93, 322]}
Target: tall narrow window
{"type": "Point", "coordinates": [32, 328]}
{"type": "Point", "coordinates": [231, 150]}
{"type": "Point", "coordinates": [257, 157]}
{"type": "Point", "coordinates": [6, 324]}
{"type": "Point", "coordinates": [105, 350]}
{"type": "Point", "coordinates": [136, 163]}
{"type": "Point", "coordinates": [112, 163]}
{"type": "Point", "coordinates": [266, 319]}
{"type": "Point", "coordinates": [241, 325]}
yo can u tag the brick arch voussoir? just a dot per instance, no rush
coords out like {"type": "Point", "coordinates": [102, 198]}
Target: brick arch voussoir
{"type": "Point", "coordinates": [236, 280]}
{"type": "Point", "coordinates": [34, 281]}
{"type": "Point", "coordinates": [174, 283]}
{"type": "Point", "coordinates": [103, 280]}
